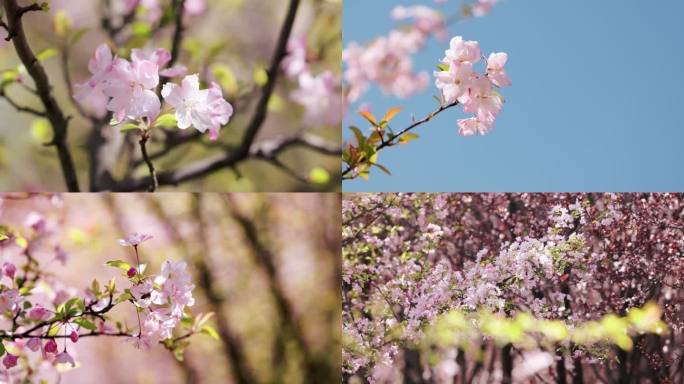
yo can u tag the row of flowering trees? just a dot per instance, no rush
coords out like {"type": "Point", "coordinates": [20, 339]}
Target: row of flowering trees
{"type": "Point", "coordinates": [152, 77]}
{"type": "Point", "coordinates": [513, 288]}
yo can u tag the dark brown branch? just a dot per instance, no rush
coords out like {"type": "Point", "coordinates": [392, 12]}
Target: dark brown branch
{"type": "Point", "coordinates": [53, 112]}
{"type": "Point", "coordinates": [150, 166]}
{"type": "Point", "coordinates": [398, 135]}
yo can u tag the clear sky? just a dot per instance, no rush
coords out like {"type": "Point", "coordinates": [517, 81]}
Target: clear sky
{"type": "Point", "coordinates": [596, 102]}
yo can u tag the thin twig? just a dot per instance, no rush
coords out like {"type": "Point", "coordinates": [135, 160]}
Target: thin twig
{"type": "Point", "coordinates": [150, 166]}
{"type": "Point", "coordinates": [19, 107]}
{"type": "Point", "coordinates": [393, 140]}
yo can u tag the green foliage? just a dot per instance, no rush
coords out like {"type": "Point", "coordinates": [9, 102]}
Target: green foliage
{"type": "Point", "coordinates": [466, 330]}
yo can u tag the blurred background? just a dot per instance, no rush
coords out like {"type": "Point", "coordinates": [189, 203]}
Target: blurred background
{"type": "Point", "coordinates": [232, 42]}
{"type": "Point", "coordinates": [267, 265]}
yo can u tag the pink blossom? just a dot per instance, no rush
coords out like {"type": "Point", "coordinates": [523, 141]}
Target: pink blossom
{"type": "Point", "coordinates": [495, 69]}
{"type": "Point", "coordinates": [10, 360]}
{"type": "Point", "coordinates": [8, 300]}
{"type": "Point", "coordinates": [50, 346]}
{"type": "Point", "coordinates": [141, 293]}
{"type": "Point", "coordinates": [427, 20]}
{"type": "Point", "coordinates": [483, 101]}
{"type": "Point", "coordinates": [294, 64]}
{"type": "Point", "coordinates": [36, 221]}
{"type": "Point", "coordinates": [134, 239]}
{"type": "Point", "coordinates": [175, 287]}
{"type": "Point", "coordinates": [455, 82]}
{"type": "Point", "coordinates": [321, 98]}
{"type": "Point", "coordinates": [130, 90]}
{"type": "Point", "coordinates": [34, 344]}
{"type": "Point", "coordinates": [195, 7]}
{"type": "Point", "coordinates": [462, 51]}
{"type": "Point", "coordinates": [65, 358]}
{"type": "Point", "coordinates": [205, 110]}
{"type": "Point", "coordinates": [100, 66]}
{"type": "Point", "coordinates": [175, 71]}
{"type": "Point", "coordinates": [483, 7]}
{"type": "Point", "coordinates": [9, 270]}
{"type": "Point", "coordinates": [38, 313]}
{"type": "Point", "coordinates": [160, 56]}
{"type": "Point", "coordinates": [473, 126]}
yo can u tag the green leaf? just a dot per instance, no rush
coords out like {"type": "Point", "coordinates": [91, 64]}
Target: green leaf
{"type": "Point", "coordinates": [123, 297]}
{"type": "Point", "coordinates": [86, 324]}
{"type": "Point", "coordinates": [406, 137]}
{"type": "Point", "coordinates": [209, 330]}
{"type": "Point", "coordinates": [46, 54]}
{"type": "Point", "coordinates": [129, 127]}
{"type": "Point", "coordinates": [74, 301]}
{"type": "Point", "coordinates": [27, 305]}
{"type": "Point", "coordinates": [319, 175]}
{"type": "Point", "coordinates": [62, 23]}
{"type": "Point", "coordinates": [442, 67]}
{"type": "Point", "coordinates": [260, 77]}
{"type": "Point", "coordinates": [119, 264]}
{"type": "Point", "coordinates": [78, 34]}
{"type": "Point", "coordinates": [166, 120]}
{"type": "Point", "coordinates": [382, 168]}
{"type": "Point", "coordinates": [368, 116]}
{"type": "Point", "coordinates": [41, 130]}
{"type": "Point", "coordinates": [2, 349]}
{"type": "Point", "coordinates": [226, 77]}
{"type": "Point", "coordinates": [141, 29]}
{"type": "Point", "coordinates": [360, 138]}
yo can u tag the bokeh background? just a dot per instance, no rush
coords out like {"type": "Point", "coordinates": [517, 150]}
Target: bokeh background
{"type": "Point", "coordinates": [592, 107]}
{"type": "Point", "coordinates": [239, 34]}
{"type": "Point", "coordinates": [267, 265]}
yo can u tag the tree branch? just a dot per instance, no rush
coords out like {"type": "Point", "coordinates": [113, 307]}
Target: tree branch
{"type": "Point", "coordinates": [392, 142]}
{"type": "Point", "coordinates": [19, 107]}
{"type": "Point", "coordinates": [52, 110]}
{"type": "Point", "coordinates": [150, 166]}
{"type": "Point", "coordinates": [268, 150]}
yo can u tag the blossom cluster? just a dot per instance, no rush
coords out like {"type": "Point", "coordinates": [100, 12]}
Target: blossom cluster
{"type": "Point", "coordinates": [458, 82]}
{"type": "Point", "coordinates": [387, 61]}
{"type": "Point", "coordinates": [42, 318]}
{"type": "Point", "coordinates": [162, 299]}
{"type": "Point", "coordinates": [319, 94]}
{"type": "Point", "coordinates": [129, 90]}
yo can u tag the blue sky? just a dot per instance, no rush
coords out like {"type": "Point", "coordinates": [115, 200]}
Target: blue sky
{"type": "Point", "coordinates": [595, 104]}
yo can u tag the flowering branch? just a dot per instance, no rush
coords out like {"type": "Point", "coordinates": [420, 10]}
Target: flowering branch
{"type": "Point", "coordinates": [393, 139]}
{"type": "Point", "coordinates": [53, 112]}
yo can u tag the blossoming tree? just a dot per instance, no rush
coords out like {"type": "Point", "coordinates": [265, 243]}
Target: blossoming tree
{"type": "Point", "coordinates": [155, 91]}
{"type": "Point", "coordinates": [513, 287]}
{"type": "Point", "coordinates": [387, 62]}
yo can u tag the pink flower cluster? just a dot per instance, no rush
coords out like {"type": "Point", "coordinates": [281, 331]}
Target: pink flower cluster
{"type": "Point", "coordinates": [163, 299]}
{"type": "Point", "coordinates": [320, 94]}
{"type": "Point", "coordinates": [459, 82]}
{"type": "Point", "coordinates": [387, 61]}
{"type": "Point", "coordinates": [128, 89]}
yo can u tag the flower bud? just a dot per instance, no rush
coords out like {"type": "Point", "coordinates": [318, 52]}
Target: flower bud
{"type": "Point", "coordinates": [131, 272]}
